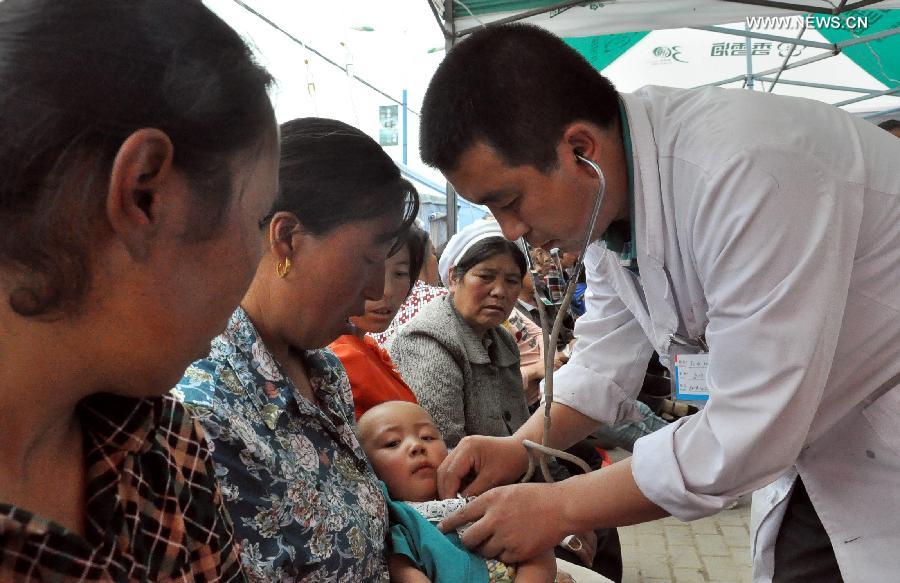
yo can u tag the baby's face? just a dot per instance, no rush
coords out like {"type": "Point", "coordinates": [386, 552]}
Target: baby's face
{"type": "Point", "coordinates": [405, 449]}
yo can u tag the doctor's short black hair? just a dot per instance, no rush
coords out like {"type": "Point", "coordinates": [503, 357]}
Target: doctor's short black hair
{"type": "Point", "coordinates": [890, 125]}
{"type": "Point", "coordinates": [515, 87]}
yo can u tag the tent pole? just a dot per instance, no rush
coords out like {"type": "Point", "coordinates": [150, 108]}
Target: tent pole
{"type": "Point", "coordinates": [842, 7]}
{"type": "Point", "coordinates": [439, 18]}
{"type": "Point", "coordinates": [793, 65]}
{"type": "Point", "coordinates": [881, 113]}
{"type": "Point", "coordinates": [764, 36]}
{"type": "Point", "coordinates": [868, 37]}
{"type": "Point", "coordinates": [817, 85]}
{"type": "Point", "coordinates": [451, 192]}
{"type": "Point", "coordinates": [405, 132]}
{"type": "Point", "coordinates": [787, 58]}
{"type": "Point", "coordinates": [870, 96]}
{"type": "Point", "coordinates": [748, 83]}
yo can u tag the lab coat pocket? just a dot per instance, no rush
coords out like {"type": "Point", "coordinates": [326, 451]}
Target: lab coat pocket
{"type": "Point", "coordinates": [884, 416]}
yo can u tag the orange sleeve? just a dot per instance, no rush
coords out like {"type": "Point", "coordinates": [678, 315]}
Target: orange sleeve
{"type": "Point", "coordinates": [373, 378]}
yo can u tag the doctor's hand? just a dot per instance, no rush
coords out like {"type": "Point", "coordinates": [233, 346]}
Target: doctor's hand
{"type": "Point", "coordinates": [511, 523]}
{"type": "Point", "coordinates": [480, 463]}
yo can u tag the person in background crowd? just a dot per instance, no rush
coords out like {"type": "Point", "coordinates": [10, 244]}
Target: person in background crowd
{"type": "Point", "coordinates": [540, 259]}
{"type": "Point", "coordinates": [426, 289]}
{"type": "Point", "coordinates": [568, 260]}
{"type": "Point", "coordinates": [373, 376]}
{"type": "Point", "coordinates": [135, 165]}
{"type": "Point", "coordinates": [275, 404]}
{"type": "Point", "coordinates": [529, 339]}
{"type": "Point", "coordinates": [892, 126]}
{"type": "Point", "coordinates": [526, 302]}
{"type": "Point", "coordinates": [577, 307]}
{"type": "Point", "coordinates": [429, 274]}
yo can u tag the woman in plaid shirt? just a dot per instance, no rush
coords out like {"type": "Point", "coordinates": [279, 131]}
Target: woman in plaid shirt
{"type": "Point", "coordinates": [138, 153]}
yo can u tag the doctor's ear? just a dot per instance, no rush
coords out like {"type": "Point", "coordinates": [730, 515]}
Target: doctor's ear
{"type": "Point", "coordinates": [582, 140]}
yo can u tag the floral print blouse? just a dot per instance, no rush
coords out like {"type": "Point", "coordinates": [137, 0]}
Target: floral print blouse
{"type": "Point", "coordinates": [305, 502]}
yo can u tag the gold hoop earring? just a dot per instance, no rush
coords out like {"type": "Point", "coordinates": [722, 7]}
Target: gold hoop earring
{"type": "Point", "coordinates": [283, 268]}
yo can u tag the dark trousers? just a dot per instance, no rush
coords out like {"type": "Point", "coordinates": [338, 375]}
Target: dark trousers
{"type": "Point", "coordinates": [607, 561]}
{"type": "Point", "coordinates": [803, 552]}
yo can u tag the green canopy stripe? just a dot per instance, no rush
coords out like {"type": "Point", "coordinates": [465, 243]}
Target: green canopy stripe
{"type": "Point", "coordinates": [879, 58]}
{"type": "Point", "coordinates": [600, 51]}
{"type": "Point", "coordinates": [480, 7]}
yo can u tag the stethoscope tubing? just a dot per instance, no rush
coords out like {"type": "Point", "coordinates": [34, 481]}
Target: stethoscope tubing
{"type": "Point", "coordinates": [550, 334]}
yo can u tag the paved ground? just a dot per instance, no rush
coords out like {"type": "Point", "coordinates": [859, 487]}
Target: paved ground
{"type": "Point", "coordinates": [714, 549]}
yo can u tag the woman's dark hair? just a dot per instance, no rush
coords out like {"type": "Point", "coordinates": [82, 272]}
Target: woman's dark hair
{"type": "Point", "coordinates": [484, 250]}
{"type": "Point", "coordinates": [76, 79]}
{"type": "Point", "coordinates": [417, 243]}
{"type": "Point", "coordinates": [890, 125]}
{"type": "Point", "coordinates": [332, 174]}
{"type": "Point", "coordinates": [439, 250]}
{"type": "Point", "coordinates": [514, 87]}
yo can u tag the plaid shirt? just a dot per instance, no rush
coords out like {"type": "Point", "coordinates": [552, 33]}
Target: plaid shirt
{"type": "Point", "coordinates": [154, 510]}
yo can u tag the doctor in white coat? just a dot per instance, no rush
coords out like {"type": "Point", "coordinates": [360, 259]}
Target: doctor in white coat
{"type": "Point", "coordinates": [768, 226]}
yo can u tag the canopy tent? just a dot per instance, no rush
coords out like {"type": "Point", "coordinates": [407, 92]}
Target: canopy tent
{"type": "Point", "coordinates": [686, 57]}
{"type": "Point", "coordinates": [827, 50]}
{"type": "Point", "coordinates": [604, 31]}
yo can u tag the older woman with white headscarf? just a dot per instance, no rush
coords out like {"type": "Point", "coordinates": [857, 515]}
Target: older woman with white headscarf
{"type": "Point", "coordinates": [455, 354]}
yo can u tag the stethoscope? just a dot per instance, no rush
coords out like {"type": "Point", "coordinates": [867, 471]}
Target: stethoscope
{"type": "Point", "coordinates": [549, 335]}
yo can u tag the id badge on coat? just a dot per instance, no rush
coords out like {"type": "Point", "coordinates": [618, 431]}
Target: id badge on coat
{"type": "Point", "coordinates": [690, 363]}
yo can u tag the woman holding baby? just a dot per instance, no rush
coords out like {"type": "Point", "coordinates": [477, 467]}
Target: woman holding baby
{"type": "Point", "coordinates": [275, 404]}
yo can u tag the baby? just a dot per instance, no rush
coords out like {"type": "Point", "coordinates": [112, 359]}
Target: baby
{"type": "Point", "coordinates": [405, 449]}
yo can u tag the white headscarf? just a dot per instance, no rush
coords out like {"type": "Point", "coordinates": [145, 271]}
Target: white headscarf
{"type": "Point", "coordinates": [463, 241]}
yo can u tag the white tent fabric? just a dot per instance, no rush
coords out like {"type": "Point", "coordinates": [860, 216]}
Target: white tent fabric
{"type": "Point", "coordinates": [690, 58]}
{"type": "Point", "coordinates": [612, 16]}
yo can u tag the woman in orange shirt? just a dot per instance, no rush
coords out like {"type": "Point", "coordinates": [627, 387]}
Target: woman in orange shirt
{"type": "Point", "coordinates": [373, 377]}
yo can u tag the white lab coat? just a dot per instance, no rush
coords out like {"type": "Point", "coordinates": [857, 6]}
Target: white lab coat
{"type": "Point", "coordinates": [772, 224]}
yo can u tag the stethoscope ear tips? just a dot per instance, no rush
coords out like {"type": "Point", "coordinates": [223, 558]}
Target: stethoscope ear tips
{"type": "Point", "coordinates": [581, 158]}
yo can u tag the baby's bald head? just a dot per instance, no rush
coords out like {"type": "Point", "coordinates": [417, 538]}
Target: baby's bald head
{"type": "Point", "coordinates": [405, 448]}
